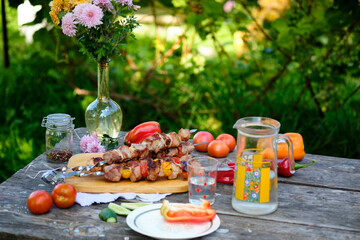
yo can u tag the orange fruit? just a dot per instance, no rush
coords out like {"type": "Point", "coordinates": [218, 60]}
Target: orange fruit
{"type": "Point", "coordinates": [298, 144]}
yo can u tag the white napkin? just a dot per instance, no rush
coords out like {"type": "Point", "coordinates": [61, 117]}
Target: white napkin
{"type": "Point", "coordinates": [86, 199]}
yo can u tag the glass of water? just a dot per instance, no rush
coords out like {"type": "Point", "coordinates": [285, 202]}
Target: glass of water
{"type": "Point", "coordinates": [202, 173]}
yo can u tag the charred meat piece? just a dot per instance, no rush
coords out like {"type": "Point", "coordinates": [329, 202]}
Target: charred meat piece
{"type": "Point", "coordinates": [94, 161]}
{"type": "Point", "coordinates": [176, 169]}
{"type": "Point", "coordinates": [117, 155]}
{"type": "Point", "coordinates": [134, 166]}
{"type": "Point", "coordinates": [139, 151]}
{"type": "Point", "coordinates": [184, 134]}
{"type": "Point", "coordinates": [153, 169]}
{"type": "Point", "coordinates": [183, 149]}
{"type": "Point", "coordinates": [113, 172]}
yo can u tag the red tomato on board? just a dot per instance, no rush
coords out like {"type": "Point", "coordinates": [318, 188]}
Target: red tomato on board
{"type": "Point", "coordinates": [200, 137]}
{"type": "Point", "coordinates": [218, 148]}
{"type": "Point", "coordinates": [64, 195]}
{"type": "Point", "coordinates": [228, 139]}
{"type": "Point", "coordinates": [39, 202]}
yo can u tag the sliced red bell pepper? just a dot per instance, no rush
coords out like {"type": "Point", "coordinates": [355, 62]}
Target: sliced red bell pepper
{"type": "Point", "coordinates": [142, 131]}
{"type": "Point", "coordinates": [187, 212]}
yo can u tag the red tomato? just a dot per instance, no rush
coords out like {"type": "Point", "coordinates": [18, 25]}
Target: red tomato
{"type": "Point", "coordinates": [200, 137]}
{"type": "Point", "coordinates": [64, 195]}
{"type": "Point", "coordinates": [218, 148]}
{"type": "Point", "coordinates": [228, 139]}
{"type": "Point", "coordinates": [39, 202]}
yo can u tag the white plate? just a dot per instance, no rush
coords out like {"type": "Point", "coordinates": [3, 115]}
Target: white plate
{"type": "Point", "coordinates": [148, 221]}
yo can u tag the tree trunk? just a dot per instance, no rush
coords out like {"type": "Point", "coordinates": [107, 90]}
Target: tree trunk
{"type": "Point", "coordinates": [5, 36]}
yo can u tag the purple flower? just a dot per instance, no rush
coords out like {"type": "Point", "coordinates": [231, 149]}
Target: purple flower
{"type": "Point", "coordinates": [136, 7]}
{"type": "Point", "coordinates": [68, 25]}
{"type": "Point", "coordinates": [85, 140]}
{"type": "Point", "coordinates": [129, 3]}
{"type": "Point", "coordinates": [228, 6]}
{"type": "Point", "coordinates": [95, 147]}
{"type": "Point", "coordinates": [104, 3]}
{"type": "Point", "coordinates": [91, 144]}
{"type": "Point", "coordinates": [88, 14]}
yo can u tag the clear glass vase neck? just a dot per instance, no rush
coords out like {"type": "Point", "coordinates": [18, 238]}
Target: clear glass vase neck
{"type": "Point", "coordinates": [103, 80]}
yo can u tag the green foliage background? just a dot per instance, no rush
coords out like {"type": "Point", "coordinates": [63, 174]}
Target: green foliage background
{"type": "Point", "coordinates": [301, 69]}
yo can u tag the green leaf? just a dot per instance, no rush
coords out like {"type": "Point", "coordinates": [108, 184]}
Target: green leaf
{"type": "Point", "coordinates": [179, 3]}
{"type": "Point", "coordinates": [280, 25]}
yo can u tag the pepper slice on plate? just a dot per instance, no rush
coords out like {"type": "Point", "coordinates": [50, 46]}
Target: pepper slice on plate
{"type": "Point", "coordinates": [187, 212]}
{"type": "Point", "coordinates": [142, 131]}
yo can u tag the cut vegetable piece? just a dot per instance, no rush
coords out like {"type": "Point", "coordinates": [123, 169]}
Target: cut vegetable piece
{"type": "Point", "coordinates": [119, 210]}
{"type": "Point", "coordinates": [133, 206]}
{"type": "Point", "coordinates": [108, 215]}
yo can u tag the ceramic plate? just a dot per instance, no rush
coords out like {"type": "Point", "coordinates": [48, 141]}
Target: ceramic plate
{"type": "Point", "coordinates": [148, 221]}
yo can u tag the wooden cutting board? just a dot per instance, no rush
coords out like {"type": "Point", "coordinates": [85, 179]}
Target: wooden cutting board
{"type": "Point", "coordinates": [98, 184]}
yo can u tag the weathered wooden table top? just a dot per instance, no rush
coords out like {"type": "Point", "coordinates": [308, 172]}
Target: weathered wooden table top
{"type": "Point", "coordinates": [319, 202]}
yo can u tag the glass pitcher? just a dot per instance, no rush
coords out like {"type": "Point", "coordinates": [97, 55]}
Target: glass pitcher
{"type": "Point", "coordinates": [255, 179]}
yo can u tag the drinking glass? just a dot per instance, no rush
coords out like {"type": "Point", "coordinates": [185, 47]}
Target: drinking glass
{"type": "Point", "coordinates": [202, 173]}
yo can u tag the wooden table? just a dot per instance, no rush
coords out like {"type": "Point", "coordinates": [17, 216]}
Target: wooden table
{"type": "Point", "coordinates": [319, 202]}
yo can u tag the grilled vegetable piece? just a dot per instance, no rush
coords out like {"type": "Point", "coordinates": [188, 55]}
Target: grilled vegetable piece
{"type": "Point", "coordinates": [142, 131]}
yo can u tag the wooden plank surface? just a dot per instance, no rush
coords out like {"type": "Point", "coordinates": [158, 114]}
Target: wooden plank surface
{"type": "Point", "coordinates": [98, 184]}
{"type": "Point", "coordinates": [330, 172]}
{"type": "Point", "coordinates": [304, 212]}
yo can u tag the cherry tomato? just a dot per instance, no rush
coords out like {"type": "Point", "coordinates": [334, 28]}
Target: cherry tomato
{"type": "Point", "coordinates": [200, 137]}
{"type": "Point", "coordinates": [218, 148]}
{"type": "Point", "coordinates": [64, 195]}
{"type": "Point", "coordinates": [39, 202]}
{"type": "Point", "coordinates": [228, 139]}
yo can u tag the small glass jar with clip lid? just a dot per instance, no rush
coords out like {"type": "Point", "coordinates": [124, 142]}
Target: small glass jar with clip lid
{"type": "Point", "coordinates": [58, 137]}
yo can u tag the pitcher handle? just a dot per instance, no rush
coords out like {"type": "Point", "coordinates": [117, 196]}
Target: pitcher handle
{"type": "Point", "coordinates": [287, 140]}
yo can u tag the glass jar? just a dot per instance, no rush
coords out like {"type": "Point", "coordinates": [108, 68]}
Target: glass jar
{"type": "Point", "coordinates": [58, 137]}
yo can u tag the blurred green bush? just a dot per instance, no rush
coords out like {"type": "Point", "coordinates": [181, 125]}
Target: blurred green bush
{"type": "Point", "coordinates": [294, 61]}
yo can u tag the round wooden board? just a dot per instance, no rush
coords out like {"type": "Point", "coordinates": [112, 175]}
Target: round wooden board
{"type": "Point", "coordinates": [98, 184]}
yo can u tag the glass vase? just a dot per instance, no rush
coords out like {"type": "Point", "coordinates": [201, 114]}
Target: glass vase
{"type": "Point", "coordinates": [104, 116]}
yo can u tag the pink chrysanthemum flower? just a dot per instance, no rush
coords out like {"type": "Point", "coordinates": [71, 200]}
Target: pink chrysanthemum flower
{"type": "Point", "coordinates": [79, 9]}
{"type": "Point", "coordinates": [104, 3]}
{"type": "Point", "coordinates": [85, 140]}
{"type": "Point", "coordinates": [88, 14]}
{"type": "Point", "coordinates": [91, 144]}
{"type": "Point", "coordinates": [95, 147]}
{"type": "Point", "coordinates": [68, 25]}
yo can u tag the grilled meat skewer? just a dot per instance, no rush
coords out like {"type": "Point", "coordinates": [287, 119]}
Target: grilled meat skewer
{"type": "Point", "coordinates": [151, 145]}
{"type": "Point", "coordinates": [147, 168]}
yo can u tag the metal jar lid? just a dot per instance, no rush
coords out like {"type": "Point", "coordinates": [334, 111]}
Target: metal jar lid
{"type": "Point", "coordinates": [58, 121]}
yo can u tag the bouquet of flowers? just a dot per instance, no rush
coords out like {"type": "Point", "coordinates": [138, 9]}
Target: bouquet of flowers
{"type": "Point", "coordinates": [100, 26]}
